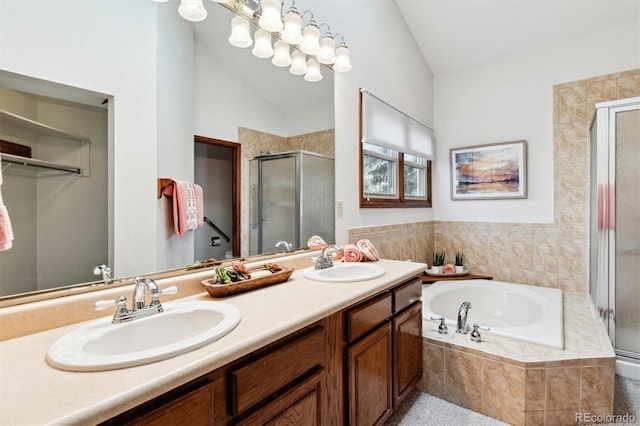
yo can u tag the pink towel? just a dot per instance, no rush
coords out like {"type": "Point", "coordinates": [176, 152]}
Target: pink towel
{"type": "Point", "coordinates": [188, 211]}
{"type": "Point", "coordinates": [351, 253]}
{"type": "Point", "coordinates": [6, 232]}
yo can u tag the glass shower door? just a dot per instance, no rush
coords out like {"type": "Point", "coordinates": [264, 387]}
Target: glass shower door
{"type": "Point", "coordinates": [626, 264]}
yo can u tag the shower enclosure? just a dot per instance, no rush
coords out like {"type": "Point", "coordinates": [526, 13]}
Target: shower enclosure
{"type": "Point", "coordinates": [615, 227]}
{"type": "Point", "coordinates": [292, 199]}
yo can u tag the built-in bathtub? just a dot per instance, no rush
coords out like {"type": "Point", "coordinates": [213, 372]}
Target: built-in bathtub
{"type": "Point", "coordinates": [511, 377]}
{"type": "Point", "coordinates": [524, 312]}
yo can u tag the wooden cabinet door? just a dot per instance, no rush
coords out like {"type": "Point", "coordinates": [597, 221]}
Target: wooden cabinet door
{"type": "Point", "coordinates": [300, 406]}
{"type": "Point", "coordinates": [194, 409]}
{"type": "Point", "coordinates": [408, 351]}
{"type": "Point", "coordinates": [370, 378]}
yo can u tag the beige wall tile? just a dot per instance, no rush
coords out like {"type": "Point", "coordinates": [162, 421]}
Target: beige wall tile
{"type": "Point", "coordinates": [534, 389]}
{"type": "Point", "coordinates": [503, 392]}
{"type": "Point", "coordinates": [628, 86]}
{"type": "Point", "coordinates": [597, 387]}
{"type": "Point", "coordinates": [600, 91]}
{"type": "Point", "coordinates": [463, 379]}
{"type": "Point", "coordinates": [572, 104]}
{"type": "Point", "coordinates": [560, 417]}
{"type": "Point", "coordinates": [432, 370]}
{"type": "Point", "coordinates": [563, 388]}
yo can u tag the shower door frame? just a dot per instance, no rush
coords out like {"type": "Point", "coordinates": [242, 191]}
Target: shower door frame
{"type": "Point", "coordinates": [606, 146]}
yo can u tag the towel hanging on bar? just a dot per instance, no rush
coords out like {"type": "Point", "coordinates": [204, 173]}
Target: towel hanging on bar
{"type": "Point", "coordinates": [188, 211]}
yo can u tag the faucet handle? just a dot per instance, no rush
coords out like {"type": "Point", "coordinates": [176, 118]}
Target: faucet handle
{"type": "Point", "coordinates": [169, 290]}
{"type": "Point", "coordinates": [442, 328]}
{"type": "Point", "coordinates": [475, 334]}
{"type": "Point", "coordinates": [104, 304]}
{"type": "Point", "coordinates": [155, 296]}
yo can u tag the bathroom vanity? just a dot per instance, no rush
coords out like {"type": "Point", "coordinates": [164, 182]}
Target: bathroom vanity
{"type": "Point", "coordinates": [305, 352]}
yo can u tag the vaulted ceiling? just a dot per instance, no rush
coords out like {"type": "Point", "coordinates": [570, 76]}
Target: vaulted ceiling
{"type": "Point", "coordinates": [455, 34]}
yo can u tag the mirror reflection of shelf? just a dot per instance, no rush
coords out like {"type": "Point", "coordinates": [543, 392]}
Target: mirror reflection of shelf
{"type": "Point", "coordinates": [17, 125]}
{"type": "Point", "coordinates": [8, 119]}
{"type": "Point", "coordinates": [32, 166]}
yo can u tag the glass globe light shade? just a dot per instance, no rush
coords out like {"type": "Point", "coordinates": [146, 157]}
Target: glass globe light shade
{"type": "Point", "coordinates": [262, 45]}
{"type": "Point", "coordinates": [292, 32]}
{"type": "Point", "coordinates": [298, 63]}
{"type": "Point", "coordinates": [327, 53]}
{"type": "Point", "coordinates": [281, 57]}
{"type": "Point", "coordinates": [311, 40]}
{"type": "Point", "coordinates": [313, 71]}
{"type": "Point", "coordinates": [270, 19]}
{"type": "Point", "coordinates": [192, 10]}
{"type": "Point", "coordinates": [342, 64]}
{"type": "Point", "coordinates": [240, 34]}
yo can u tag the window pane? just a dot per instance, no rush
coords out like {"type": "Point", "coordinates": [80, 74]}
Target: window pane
{"type": "Point", "coordinates": [414, 182]}
{"type": "Point", "coordinates": [382, 151]}
{"type": "Point", "coordinates": [379, 176]}
{"type": "Point", "coordinates": [415, 160]}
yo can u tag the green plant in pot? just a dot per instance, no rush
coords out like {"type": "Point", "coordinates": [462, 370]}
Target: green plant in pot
{"type": "Point", "coordinates": [459, 262]}
{"type": "Point", "coordinates": [438, 261]}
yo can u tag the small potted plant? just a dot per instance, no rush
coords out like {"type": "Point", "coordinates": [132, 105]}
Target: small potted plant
{"type": "Point", "coordinates": [459, 262]}
{"type": "Point", "coordinates": [438, 262]}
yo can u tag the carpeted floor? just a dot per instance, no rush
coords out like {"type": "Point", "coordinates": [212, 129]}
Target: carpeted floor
{"type": "Point", "coordinates": [421, 409]}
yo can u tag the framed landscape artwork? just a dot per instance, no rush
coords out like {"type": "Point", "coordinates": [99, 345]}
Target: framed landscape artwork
{"type": "Point", "coordinates": [490, 172]}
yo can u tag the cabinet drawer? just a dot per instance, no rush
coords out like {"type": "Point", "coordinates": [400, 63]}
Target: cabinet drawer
{"type": "Point", "coordinates": [407, 294]}
{"type": "Point", "coordinates": [267, 374]}
{"type": "Point", "coordinates": [367, 316]}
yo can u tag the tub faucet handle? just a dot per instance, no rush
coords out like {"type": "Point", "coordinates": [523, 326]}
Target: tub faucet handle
{"type": "Point", "coordinates": [442, 328]}
{"type": "Point", "coordinates": [475, 334]}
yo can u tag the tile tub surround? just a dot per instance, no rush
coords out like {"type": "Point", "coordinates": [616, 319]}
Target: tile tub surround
{"type": "Point", "coordinates": [521, 383]}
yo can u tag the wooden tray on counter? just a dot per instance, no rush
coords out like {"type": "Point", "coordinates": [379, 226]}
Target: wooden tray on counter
{"type": "Point", "coordinates": [222, 290]}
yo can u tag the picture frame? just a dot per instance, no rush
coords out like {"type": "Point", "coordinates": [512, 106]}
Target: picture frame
{"type": "Point", "coordinates": [489, 172]}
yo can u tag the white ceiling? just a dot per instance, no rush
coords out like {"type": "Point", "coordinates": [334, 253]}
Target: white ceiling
{"type": "Point", "coordinates": [455, 34]}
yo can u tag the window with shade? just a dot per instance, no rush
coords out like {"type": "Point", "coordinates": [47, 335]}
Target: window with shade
{"type": "Point", "coordinates": [396, 152]}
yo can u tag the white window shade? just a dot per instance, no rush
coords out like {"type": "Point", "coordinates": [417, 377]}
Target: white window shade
{"type": "Point", "coordinates": [385, 125]}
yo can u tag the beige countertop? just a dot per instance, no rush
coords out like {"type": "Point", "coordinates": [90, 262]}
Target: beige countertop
{"type": "Point", "coordinates": [34, 393]}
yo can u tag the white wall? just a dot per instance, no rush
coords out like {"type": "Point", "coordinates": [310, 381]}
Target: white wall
{"type": "Point", "coordinates": [175, 146]}
{"type": "Point", "coordinates": [513, 99]}
{"type": "Point", "coordinates": [387, 62]}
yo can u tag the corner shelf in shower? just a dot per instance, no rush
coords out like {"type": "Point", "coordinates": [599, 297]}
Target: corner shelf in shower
{"type": "Point", "coordinates": [11, 123]}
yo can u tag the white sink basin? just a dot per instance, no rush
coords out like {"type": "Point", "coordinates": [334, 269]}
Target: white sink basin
{"type": "Point", "coordinates": [345, 272]}
{"type": "Point", "coordinates": [183, 326]}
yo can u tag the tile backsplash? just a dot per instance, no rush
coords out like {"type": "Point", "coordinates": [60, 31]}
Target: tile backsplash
{"type": "Point", "coordinates": [550, 255]}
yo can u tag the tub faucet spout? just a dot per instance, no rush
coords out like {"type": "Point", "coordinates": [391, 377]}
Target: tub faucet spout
{"type": "Point", "coordinates": [462, 317]}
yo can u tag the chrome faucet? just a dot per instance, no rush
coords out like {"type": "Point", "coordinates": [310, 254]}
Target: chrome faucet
{"type": "Point", "coordinates": [324, 261]}
{"type": "Point", "coordinates": [103, 270]}
{"type": "Point", "coordinates": [287, 246]}
{"type": "Point", "coordinates": [462, 317]}
{"type": "Point", "coordinates": [139, 309]}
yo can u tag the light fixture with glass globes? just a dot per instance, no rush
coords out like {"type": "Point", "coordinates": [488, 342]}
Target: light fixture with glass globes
{"type": "Point", "coordinates": [270, 18]}
{"type": "Point", "coordinates": [327, 54]}
{"type": "Point", "coordinates": [262, 44]}
{"type": "Point", "coordinates": [309, 52]}
{"type": "Point", "coordinates": [310, 36]}
{"type": "Point", "coordinates": [343, 63]}
{"type": "Point", "coordinates": [298, 63]}
{"type": "Point", "coordinates": [240, 32]}
{"type": "Point", "coordinates": [313, 71]}
{"type": "Point", "coordinates": [281, 55]}
{"type": "Point", "coordinates": [192, 10]}
{"type": "Point", "coordinates": [292, 32]}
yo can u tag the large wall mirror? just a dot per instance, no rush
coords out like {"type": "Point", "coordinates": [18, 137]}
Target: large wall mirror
{"type": "Point", "coordinates": [126, 118]}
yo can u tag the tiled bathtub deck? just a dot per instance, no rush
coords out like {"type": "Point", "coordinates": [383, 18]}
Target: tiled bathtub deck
{"type": "Point", "coordinates": [522, 383]}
